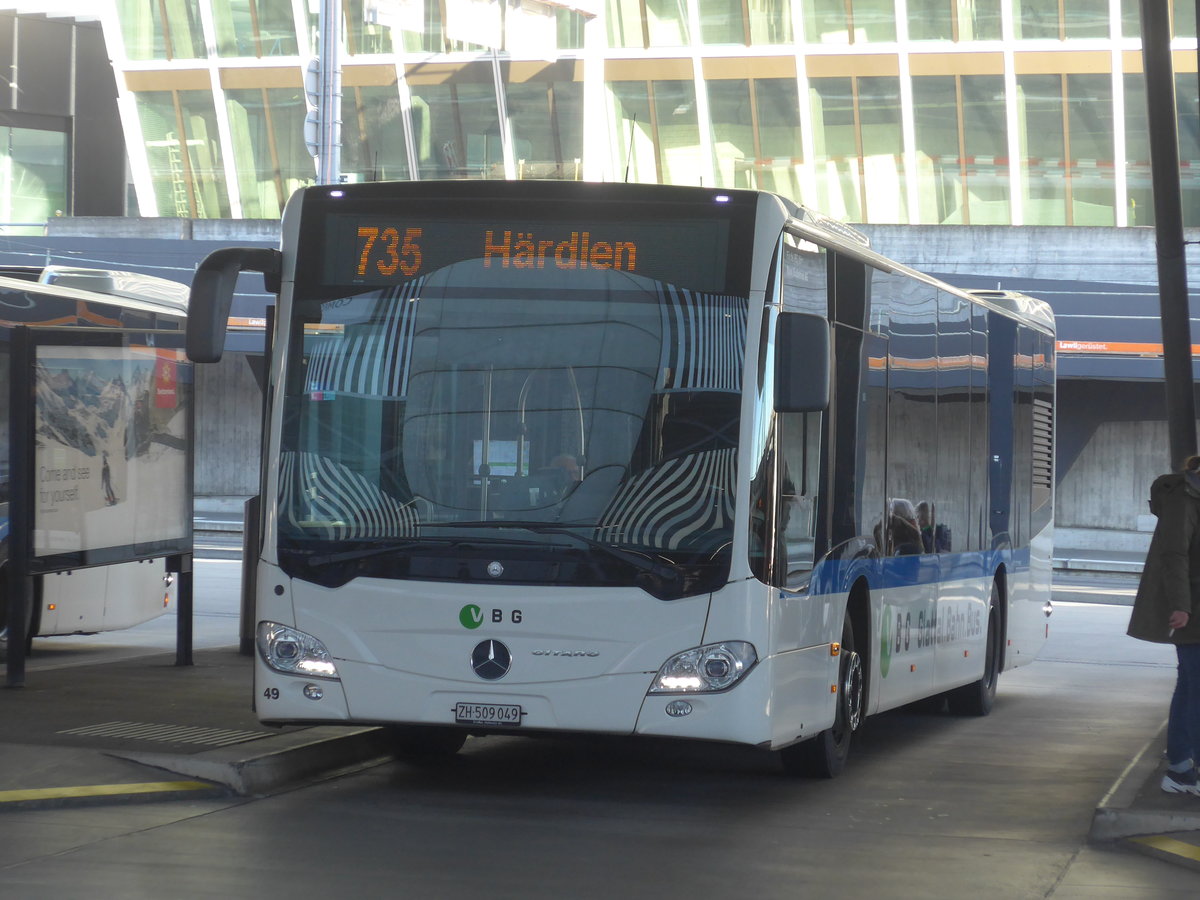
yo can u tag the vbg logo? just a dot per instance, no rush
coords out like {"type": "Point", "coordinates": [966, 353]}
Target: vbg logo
{"type": "Point", "coordinates": [471, 616]}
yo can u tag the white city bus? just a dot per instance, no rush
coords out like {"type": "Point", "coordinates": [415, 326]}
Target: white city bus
{"type": "Point", "coordinates": [634, 459]}
{"type": "Point", "coordinates": [106, 597]}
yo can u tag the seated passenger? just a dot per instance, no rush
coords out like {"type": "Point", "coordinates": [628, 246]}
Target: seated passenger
{"type": "Point", "coordinates": [903, 529]}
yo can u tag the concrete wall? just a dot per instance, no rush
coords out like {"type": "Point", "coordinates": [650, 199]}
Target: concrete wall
{"type": "Point", "coordinates": [228, 428]}
{"type": "Point", "coordinates": [1108, 488]}
{"type": "Point", "coordinates": [231, 230]}
{"type": "Point", "coordinates": [1121, 255]}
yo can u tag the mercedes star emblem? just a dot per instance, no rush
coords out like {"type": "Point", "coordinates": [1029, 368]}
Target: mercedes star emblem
{"type": "Point", "coordinates": [490, 660]}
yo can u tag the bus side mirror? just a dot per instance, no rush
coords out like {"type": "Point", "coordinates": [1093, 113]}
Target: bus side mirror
{"type": "Point", "coordinates": [802, 355]}
{"type": "Point", "coordinates": [211, 296]}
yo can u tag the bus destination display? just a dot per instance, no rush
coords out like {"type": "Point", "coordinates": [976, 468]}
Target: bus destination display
{"type": "Point", "coordinates": [372, 250]}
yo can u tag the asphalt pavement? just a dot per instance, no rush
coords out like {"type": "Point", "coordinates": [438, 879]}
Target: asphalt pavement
{"type": "Point", "coordinates": [147, 729]}
{"type": "Point", "coordinates": [142, 728]}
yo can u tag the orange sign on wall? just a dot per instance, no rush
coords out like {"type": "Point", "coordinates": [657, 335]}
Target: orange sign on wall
{"type": "Point", "coordinates": [1125, 348]}
{"type": "Point", "coordinates": [166, 392]}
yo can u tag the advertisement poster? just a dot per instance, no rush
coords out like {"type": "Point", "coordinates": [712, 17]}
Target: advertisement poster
{"type": "Point", "coordinates": [111, 460]}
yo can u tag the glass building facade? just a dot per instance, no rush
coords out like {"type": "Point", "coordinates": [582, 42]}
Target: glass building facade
{"type": "Point", "coordinates": [981, 112]}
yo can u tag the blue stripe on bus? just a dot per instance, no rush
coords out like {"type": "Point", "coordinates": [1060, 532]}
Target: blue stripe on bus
{"type": "Point", "coordinates": [837, 575]}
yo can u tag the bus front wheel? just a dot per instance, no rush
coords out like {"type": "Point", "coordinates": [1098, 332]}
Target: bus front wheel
{"type": "Point", "coordinates": [824, 756]}
{"type": "Point", "coordinates": [425, 745]}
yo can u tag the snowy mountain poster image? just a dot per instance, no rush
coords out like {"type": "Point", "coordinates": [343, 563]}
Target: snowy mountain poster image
{"type": "Point", "coordinates": [111, 456]}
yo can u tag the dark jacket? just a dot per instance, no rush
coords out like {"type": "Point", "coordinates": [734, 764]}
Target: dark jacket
{"type": "Point", "coordinates": [1171, 576]}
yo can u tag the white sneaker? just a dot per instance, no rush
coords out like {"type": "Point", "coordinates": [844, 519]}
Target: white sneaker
{"type": "Point", "coordinates": [1181, 782]}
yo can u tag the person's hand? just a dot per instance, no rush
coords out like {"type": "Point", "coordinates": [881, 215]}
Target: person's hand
{"type": "Point", "coordinates": [1178, 619]}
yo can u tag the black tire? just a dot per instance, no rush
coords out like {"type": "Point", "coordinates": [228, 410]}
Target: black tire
{"type": "Point", "coordinates": [425, 745]}
{"type": "Point", "coordinates": [978, 697]}
{"type": "Point", "coordinates": [825, 755]}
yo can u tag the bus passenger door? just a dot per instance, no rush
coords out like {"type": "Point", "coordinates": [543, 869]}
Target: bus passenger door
{"type": "Point", "coordinates": [964, 588]}
{"type": "Point", "coordinates": [911, 570]}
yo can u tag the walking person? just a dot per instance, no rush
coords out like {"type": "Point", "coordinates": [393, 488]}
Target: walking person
{"type": "Point", "coordinates": [1167, 611]}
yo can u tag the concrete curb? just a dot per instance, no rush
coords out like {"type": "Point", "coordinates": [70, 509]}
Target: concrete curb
{"type": "Point", "coordinates": [1116, 816]}
{"type": "Point", "coordinates": [271, 764]}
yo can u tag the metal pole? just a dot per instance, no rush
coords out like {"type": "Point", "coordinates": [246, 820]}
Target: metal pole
{"type": "Point", "coordinates": [329, 102]}
{"type": "Point", "coordinates": [181, 565]}
{"type": "Point", "coordinates": [20, 503]}
{"type": "Point", "coordinates": [248, 621]}
{"type": "Point", "coordinates": [1168, 219]}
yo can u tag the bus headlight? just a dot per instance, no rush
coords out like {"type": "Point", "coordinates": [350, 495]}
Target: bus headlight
{"type": "Point", "coordinates": [713, 667]}
{"type": "Point", "coordinates": [293, 652]}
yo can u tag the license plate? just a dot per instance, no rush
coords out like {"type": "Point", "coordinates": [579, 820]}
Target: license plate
{"type": "Point", "coordinates": [487, 713]}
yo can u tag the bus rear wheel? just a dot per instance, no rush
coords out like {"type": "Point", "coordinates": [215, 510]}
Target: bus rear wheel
{"type": "Point", "coordinates": [824, 756]}
{"type": "Point", "coordinates": [978, 697]}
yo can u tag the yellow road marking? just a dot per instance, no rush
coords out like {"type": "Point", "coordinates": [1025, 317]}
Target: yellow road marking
{"type": "Point", "coordinates": [1170, 845]}
{"type": "Point", "coordinates": [101, 790]}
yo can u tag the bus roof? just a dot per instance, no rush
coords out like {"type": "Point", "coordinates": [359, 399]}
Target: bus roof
{"type": "Point", "coordinates": [157, 294]}
{"type": "Point", "coordinates": [1021, 304]}
{"type": "Point", "coordinates": [846, 239]}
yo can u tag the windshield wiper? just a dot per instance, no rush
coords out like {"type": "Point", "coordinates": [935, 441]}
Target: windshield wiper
{"type": "Point", "coordinates": [320, 561]}
{"type": "Point", "coordinates": [664, 582]}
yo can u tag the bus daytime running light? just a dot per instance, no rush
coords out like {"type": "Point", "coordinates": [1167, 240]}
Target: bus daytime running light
{"type": "Point", "coordinates": [293, 652]}
{"type": "Point", "coordinates": [713, 667]}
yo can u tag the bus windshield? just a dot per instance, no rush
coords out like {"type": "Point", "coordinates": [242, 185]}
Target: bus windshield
{"type": "Point", "coordinates": [573, 429]}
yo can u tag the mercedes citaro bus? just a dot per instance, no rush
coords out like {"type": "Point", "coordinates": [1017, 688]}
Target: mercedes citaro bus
{"type": "Point", "coordinates": [634, 459]}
